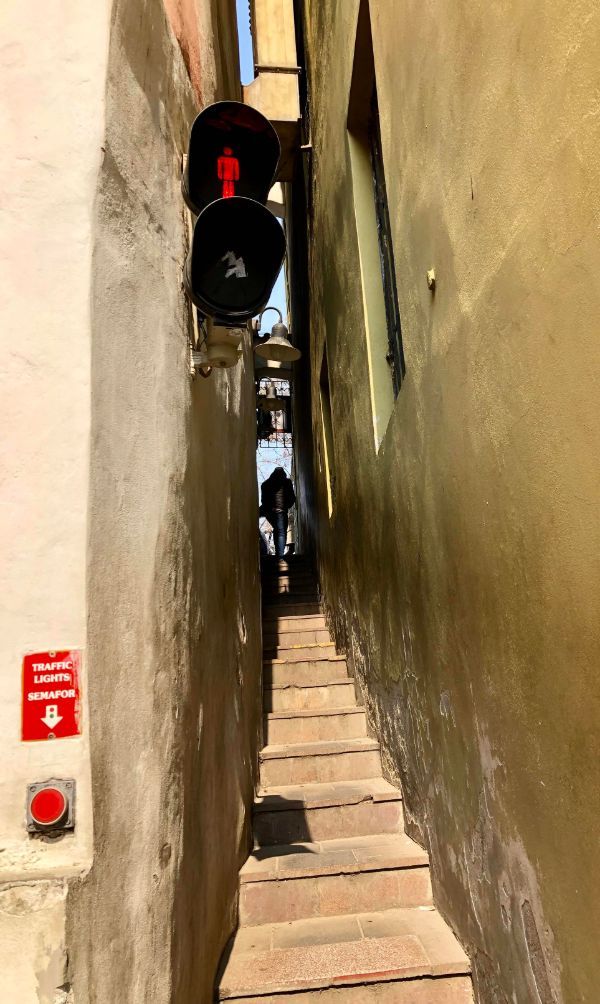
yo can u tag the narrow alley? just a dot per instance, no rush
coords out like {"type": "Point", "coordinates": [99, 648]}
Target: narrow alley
{"type": "Point", "coordinates": [299, 502]}
{"type": "Point", "coordinates": [334, 893]}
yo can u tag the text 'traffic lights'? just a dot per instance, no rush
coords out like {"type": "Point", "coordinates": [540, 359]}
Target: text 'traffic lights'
{"type": "Point", "coordinates": [238, 245]}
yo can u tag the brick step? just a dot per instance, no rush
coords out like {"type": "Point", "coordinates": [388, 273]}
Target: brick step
{"type": "Point", "coordinates": [319, 762]}
{"type": "Point", "coordinates": [274, 638]}
{"type": "Point", "coordinates": [298, 623]}
{"type": "Point", "coordinates": [293, 620]}
{"type": "Point", "coordinates": [295, 596]}
{"type": "Point", "coordinates": [287, 608]}
{"type": "Point", "coordinates": [315, 726]}
{"type": "Point", "coordinates": [283, 566]}
{"type": "Point", "coordinates": [307, 588]}
{"type": "Point", "coordinates": [382, 948]}
{"type": "Point", "coordinates": [426, 990]}
{"type": "Point", "coordinates": [304, 674]}
{"type": "Point", "coordinates": [320, 694]}
{"type": "Point", "coordinates": [311, 652]}
{"type": "Point", "coordinates": [274, 565]}
{"type": "Point", "coordinates": [297, 572]}
{"type": "Point", "coordinates": [333, 877]}
{"type": "Point", "coordinates": [288, 575]}
{"type": "Point", "coordinates": [315, 812]}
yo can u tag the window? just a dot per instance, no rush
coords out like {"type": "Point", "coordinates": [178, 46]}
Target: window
{"type": "Point", "coordinates": [395, 354]}
{"type": "Point", "coordinates": [383, 331]}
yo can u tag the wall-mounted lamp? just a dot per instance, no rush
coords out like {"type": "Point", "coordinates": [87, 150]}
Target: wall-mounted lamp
{"type": "Point", "coordinates": [277, 346]}
{"type": "Point", "coordinates": [270, 401]}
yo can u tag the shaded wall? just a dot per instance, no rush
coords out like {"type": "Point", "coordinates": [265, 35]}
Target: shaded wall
{"type": "Point", "coordinates": [173, 592]}
{"type": "Point", "coordinates": [302, 390]}
{"type": "Point", "coordinates": [460, 564]}
{"type": "Point", "coordinates": [299, 218]}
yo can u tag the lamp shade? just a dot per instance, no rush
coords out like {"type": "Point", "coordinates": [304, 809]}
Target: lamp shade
{"type": "Point", "coordinates": [270, 401]}
{"type": "Point", "coordinates": [278, 347]}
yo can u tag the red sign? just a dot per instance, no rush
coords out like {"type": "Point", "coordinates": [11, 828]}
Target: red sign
{"type": "Point", "coordinates": [51, 697]}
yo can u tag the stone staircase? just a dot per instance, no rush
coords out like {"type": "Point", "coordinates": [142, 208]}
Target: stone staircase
{"type": "Point", "coordinates": [335, 900]}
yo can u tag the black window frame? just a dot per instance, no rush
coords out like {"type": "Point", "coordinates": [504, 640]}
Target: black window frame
{"type": "Point", "coordinates": [395, 353]}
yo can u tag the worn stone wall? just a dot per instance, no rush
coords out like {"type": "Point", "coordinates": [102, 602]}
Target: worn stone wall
{"type": "Point", "coordinates": [148, 556]}
{"type": "Point", "coordinates": [172, 579]}
{"type": "Point", "coordinates": [206, 31]}
{"type": "Point", "coordinates": [460, 564]}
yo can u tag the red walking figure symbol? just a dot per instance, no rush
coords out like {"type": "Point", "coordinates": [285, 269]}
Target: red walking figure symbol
{"type": "Point", "coordinates": [228, 170]}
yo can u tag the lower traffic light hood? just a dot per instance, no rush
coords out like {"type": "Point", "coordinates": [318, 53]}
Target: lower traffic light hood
{"type": "Point", "coordinates": [237, 251]}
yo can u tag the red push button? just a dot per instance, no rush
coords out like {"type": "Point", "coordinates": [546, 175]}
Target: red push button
{"type": "Point", "coordinates": [48, 807]}
{"type": "Point", "coordinates": [51, 806]}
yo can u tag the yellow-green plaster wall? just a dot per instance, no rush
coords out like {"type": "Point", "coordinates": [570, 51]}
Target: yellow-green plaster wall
{"type": "Point", "coordinates": [461, 564]}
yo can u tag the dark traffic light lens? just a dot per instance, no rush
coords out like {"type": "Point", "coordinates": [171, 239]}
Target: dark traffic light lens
{"type": "Point", "coordinates": [237, 252]}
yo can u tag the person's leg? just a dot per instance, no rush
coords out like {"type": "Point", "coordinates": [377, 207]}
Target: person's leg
{"type": "Point", "coordinates": [290, 539]}
{"type": "Point", "coordinates": [281, 520]}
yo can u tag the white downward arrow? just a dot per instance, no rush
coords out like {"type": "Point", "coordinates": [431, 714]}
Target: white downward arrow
{"type": "Point", "coordinates": [52, 716]}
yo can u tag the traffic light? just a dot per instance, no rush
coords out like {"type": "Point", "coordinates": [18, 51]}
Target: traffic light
{"type": "Point", "coordinates": [238, 245]}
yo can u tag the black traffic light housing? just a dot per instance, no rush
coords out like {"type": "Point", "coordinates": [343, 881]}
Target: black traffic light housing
{"type": "Point", "coordinates": [238, 245]}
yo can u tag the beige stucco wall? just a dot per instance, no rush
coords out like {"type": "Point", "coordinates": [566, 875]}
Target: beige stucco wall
{"type": "Point", "coordinates": [131, 496]}
{"type": "Point", "coordinates": [51, 126]}
{"type": "Point", "coordinates": [460, 566]}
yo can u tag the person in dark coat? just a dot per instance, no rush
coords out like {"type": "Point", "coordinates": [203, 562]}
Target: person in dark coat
{"type": "Point", "coordinates": [277, 497]}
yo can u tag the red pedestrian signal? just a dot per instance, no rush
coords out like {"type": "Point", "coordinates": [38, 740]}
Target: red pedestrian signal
{"type": "Point", "coordinates": [238, 245]}
{"type": "Point", "coordinates": [229, 142]}
{"type": "Point", "coordinates": [228, 171]}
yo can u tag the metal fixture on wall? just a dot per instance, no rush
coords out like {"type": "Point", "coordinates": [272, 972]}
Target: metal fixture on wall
{"type": "Point", "coordinates": [270, 401]}
{"type": "Point", "coordinates": [274, 413]}
{"type": "Point", "coordinates": [277, 346]}
{"type": "Point", "coordinates": [223, 344]}
{"type": "Point", "coordinates": [213, 345]}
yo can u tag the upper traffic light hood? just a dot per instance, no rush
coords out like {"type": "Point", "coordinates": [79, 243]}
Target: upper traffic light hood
{"type": "Point", "coordinates": [233, 150]}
